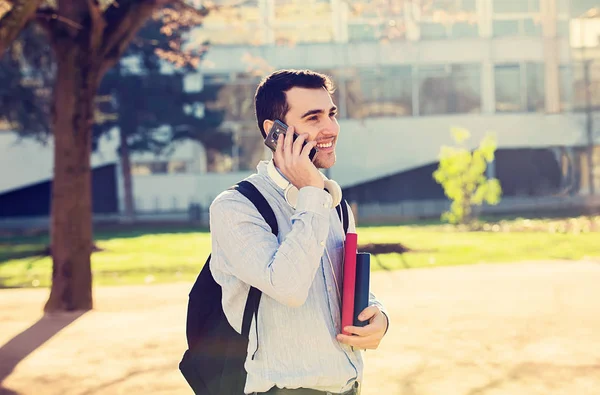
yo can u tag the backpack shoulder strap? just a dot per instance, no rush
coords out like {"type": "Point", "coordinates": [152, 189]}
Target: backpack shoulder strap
{"type": "Point", "coordinates": [247, 189]}
{"type": "Point", "coordinates": [342, 210]}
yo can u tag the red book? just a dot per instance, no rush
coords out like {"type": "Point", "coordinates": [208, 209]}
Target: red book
{"type": "Point", "coordinates": [348, 287]}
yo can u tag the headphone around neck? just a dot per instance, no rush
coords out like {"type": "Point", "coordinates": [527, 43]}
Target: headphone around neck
{"type": "Point", "coordinates": [291, 192]}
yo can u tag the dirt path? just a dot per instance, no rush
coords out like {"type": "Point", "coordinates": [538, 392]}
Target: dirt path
{"type": "Point", "coordinates": [517, 329]}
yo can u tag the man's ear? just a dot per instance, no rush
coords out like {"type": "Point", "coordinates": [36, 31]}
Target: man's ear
{"type": "Point", "coordinates": [267, 124]}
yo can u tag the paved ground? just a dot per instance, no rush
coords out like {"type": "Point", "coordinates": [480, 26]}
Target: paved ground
{"type": "Point", "coordinates": [515, 329]}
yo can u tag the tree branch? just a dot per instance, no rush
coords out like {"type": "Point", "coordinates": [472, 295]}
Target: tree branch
{"type": "Point", "coordinates": [123, 19]}
{"type": "Point", "coordinates": [202, 12]}
{"type": "Point", "coordinates": [98, 24]}
{"type": "Point", "coordinates": [14, 20]}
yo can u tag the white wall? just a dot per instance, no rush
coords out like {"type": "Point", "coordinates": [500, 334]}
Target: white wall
{"type": "Point", "coordinates": [24, 161]}
{"type": "Point", "coordinates": [377, 147]}
{"type": "Point", "coordinates": [178, 191]}
{"type": "Point", "coordinates": [367, 149]}
{"type": "Point", "coordinates": [374, 148]}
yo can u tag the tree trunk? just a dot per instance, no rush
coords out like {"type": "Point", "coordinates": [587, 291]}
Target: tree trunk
{"type": "Point", "coordinates": [84, 51]}
{"type": "Point", "coordinates": [127, 121]}
{"type": "Point", "coordinates": [127, 179]}
{"type": "Point", "coordinates": [71, 233]}
{"type": "Point", "coordinates": [467, 196]}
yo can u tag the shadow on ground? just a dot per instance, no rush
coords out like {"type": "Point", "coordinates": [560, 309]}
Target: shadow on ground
{"type": "Point", "coordinates": [26, 342]}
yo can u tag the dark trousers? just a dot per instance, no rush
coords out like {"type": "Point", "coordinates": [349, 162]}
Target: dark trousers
{"type": "Point", "coordinates": [306, 391]}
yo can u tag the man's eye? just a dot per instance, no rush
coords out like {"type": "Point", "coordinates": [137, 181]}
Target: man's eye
{"type": "Point", "coordinates": [313, 118]}
{"type": "Point", "coordinates": [333, 114]}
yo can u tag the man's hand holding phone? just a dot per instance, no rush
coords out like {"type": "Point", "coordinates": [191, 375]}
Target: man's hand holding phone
{"type": "Point", "coordinates": [294, 162]}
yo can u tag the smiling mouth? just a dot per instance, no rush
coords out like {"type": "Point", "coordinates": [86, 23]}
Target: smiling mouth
{"type": "Point", "coordinates": [325, 145]}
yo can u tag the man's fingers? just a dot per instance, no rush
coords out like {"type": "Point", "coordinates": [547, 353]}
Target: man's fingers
{"type": "Point", "coordinates": [297, 149]}
{"type": "Point", "coordinates": [360, 331]}
{"type": "Point", "coordinates": [356, 341]}
{"type": "Point", "coordinates": [278, 155]}
{"type": "Point", "coordinates": [368, 313]}
{"type": "Point", "coordinates": [289, 138]}
{"type": "Point", "coordinates": [309, 146]}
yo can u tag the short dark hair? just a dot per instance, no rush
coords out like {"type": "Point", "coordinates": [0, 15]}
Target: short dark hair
{"type": "Point", "coordinates": [270, 101]}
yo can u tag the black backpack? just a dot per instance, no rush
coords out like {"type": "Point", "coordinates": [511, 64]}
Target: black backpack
{"type": "Point", "coordinates": [213, 364]}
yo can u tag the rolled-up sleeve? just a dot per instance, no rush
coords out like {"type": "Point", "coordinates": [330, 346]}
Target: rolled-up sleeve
{"type": "Point", "coordinates": [249, 251]}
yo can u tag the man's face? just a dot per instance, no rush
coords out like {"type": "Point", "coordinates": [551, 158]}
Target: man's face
{"type": "Point", "coordinates": [312, 111]}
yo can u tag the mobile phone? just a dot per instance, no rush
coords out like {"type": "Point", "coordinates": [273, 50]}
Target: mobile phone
{"type": "Point", "coordinates": [280, 128]}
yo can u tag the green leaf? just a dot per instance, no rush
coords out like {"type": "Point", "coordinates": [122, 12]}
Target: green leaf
{"type": "Point", "coordinates": [460, 134]}
{"type": "Point", "coordinates": [462, 175]}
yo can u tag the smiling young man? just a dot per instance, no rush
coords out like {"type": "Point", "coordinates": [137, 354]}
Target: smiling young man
{"type": "Point", "coordinates": [296, 344]}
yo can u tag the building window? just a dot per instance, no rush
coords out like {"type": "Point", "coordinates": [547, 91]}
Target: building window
{"type": "Point", "coordinates": [450, 89]}
{"type": "Point", "coordinates": [433, 31]}
{"type": "Point", "coordinates": [159, 167]}
{"type": "Point", "coordinates": [376, 20]}
{"type": "Point", "coordinates": [563, 14]}
{"type": "Point", "coordinates": [301, 21]}
{"type": "Point", "coordinates": [443, 19]}
{"type": "Point", "coordinates": [578, 7]}
{"type": "Point", "coordinates": [536, 87]}
{"type": "Point", "coordinates": [517, 18]}
{"type": "Point", "coordinates": [516, 6]}
{"type": "Point", "coordinates": [520, 87]}
{"type": "Point", "coordinates": [232, 93]}
{"type": "Point", "coordinates": [363, 32]}
{"type": "Point", "coordinates": [234, 96]}
{"type": "Point", "coordinates": [580, 100]}
{"type": "Point", "coordinates": [563, 28]}
{"type": "Point", "coordinates": [240, 24]}
{"type": "Point", "coordinates": [508, 88]}
{"type": "Point", "coordinates": [565, 76]}
{"type": "Point", "coordinates": [385, 91]}
{"type": "Point", "coordinates": [525, 26]}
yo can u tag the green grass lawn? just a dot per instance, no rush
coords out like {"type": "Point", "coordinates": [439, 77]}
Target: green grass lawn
{"type": "Point", "coordinates": [139, 257]}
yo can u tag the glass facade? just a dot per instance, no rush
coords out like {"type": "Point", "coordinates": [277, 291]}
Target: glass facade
{"type": "Point", "coordinates": [242, 24]}
{"type": "Point", "coordinates": [404, 90]}
{"type": "Point", "coordinates": [535, 88]}
{"type": "Point", "coordinates": [301, 21]}
{"type": "Point", "coordinates": [516, 18]}
{"type": "Point", "coordinates": [516, 6]}
{"type": "Point", "coordinates": [159, 167]}
{"type": "Point", "coordinates": [441, 19]}
{"type": "Point", "coordinates": [281, 22]}
{"type": "Point", "coordinates": [565, 76]}
{"type": "Point", "coordinates": [520, 87]}
{"type": "Point", "coordinates": [581, 98]}
{"type": "Point", "coordinates": [285, 22]}
{"type": "Point", "coordinates": [385, 91]}
{"type": "Point", "coordinates": [376, 20]}
{"type": "Point", "coordinates": [454, 89]}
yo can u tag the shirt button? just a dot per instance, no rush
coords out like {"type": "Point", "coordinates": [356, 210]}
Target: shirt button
{"type": "Point", "coordinates": [322, 243]}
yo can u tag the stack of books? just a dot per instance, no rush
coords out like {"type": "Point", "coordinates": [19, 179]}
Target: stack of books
{"type": "Point", "coordinates": [355, 288]}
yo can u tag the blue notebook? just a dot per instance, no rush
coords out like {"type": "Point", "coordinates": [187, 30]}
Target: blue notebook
{"type": "Point", "coordinates": [361, 293]}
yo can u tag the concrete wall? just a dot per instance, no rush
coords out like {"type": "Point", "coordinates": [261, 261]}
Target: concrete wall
{"type": "Point", "coordinates": [367, 149]}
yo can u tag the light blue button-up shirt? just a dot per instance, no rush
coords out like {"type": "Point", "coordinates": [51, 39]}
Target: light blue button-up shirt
{"type": "Point", "coordinates": [299, 315]}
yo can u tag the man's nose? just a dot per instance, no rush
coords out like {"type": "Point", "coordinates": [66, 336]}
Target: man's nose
{"type": "Point", "coordinates": [330, 126]}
